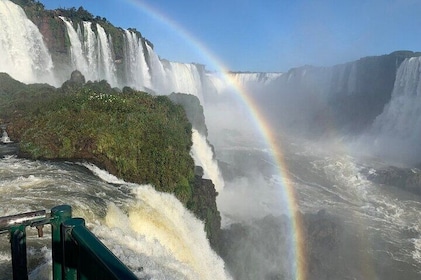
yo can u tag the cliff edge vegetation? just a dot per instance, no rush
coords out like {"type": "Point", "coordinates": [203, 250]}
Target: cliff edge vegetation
{"type": "Point", "coordinates": [133, 135]}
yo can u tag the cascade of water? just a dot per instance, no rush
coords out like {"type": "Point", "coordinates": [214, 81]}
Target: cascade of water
{"type": "Point", "coordinates": [395, 133]}
{"type": "Point", "coordinates": [158, 75]}
{"type": "Point", "coordinates": [253, 79]}
{"type": "Point", "coordinates": [137, 70]}
{"type": "Point", "coordinates": [185, 78]}
{"type": "Point", "coordinates": [23, 53]}
{"type": "Point", "coordinates": [90, 44]}
{"type": "Point", "coordinates": [79, 61]}
{"type": "Point", "coordinates": [401, 118]}
{"type": "Point", "coordinates": [106, 64]}
{"type": "Point", "coordinates": [168, 238]}
{"type": "Point", "coordinates": [215, 84]}
{"type": "Point", "coordinates": [204, 157]}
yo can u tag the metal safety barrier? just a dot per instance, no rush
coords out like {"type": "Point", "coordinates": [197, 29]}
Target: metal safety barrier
{"type": "Point", "coordinates": [76, 252]}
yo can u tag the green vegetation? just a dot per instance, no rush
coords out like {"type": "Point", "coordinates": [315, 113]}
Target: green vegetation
{"type": "Point", "coordinates": [135, 136]}
{"type": "Point", "coordinates": [76, 15]}
{"type": "Point", "coordinates": [29, 3]}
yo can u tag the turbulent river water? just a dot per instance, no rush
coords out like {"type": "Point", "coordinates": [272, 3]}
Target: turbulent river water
{"type": "Point", "coordinates": [377, 233]}
{"type": "Point", "coordinates": [151, 232]}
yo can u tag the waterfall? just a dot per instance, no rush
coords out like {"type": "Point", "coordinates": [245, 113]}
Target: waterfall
{"type": "Point", "coordinates": [79, 61]}
{"type": "Point", "coordinates": [399, 126]}
{"type": "Point", "coordinates": [137, 70]}
{"type": "Point", "coordinates": [204, 157]}
{"type": "Point", "coordinates": [168, 77]}
{"type": "Point", "coordinates": [255, 79]}
{"type": "Point", "coordinates": [90, 44]}
{"type": "Point", "coordinates": [401, 117]}
{"type": "Point", "coordinates": [107, 68]}
{"type": "Point", "coordinates": [91, 54]}
{"type": "Point", "coordinates": [158, 75]}
{"type": "Point", "coordinates": [185, 78]}
{"type": "Point", "coordinates": [23, 53]}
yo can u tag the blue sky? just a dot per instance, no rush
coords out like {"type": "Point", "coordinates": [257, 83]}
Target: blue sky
{"type": "Point", "coordinates": [265, 35]}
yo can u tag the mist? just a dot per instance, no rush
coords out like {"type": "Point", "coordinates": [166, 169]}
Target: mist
{"type": "Point", "coordinates": [332, 124]}
{"type": "Point", "coordinates": [256, 228]}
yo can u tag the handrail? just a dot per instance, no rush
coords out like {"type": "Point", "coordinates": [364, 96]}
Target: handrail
{"type": "Point", "coordinates": [16, 225]}
{"type": "Point", "coordinates": [27, 218]}
{"type": "Point", "coordinates": [77, 253]}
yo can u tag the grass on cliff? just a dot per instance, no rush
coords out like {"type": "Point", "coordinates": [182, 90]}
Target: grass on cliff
{"type": "Point", "coordinates": [135, 136]}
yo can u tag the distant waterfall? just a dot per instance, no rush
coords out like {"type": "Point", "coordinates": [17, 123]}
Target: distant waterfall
{"type": "Point", "coordinates": [158, 74]}
{"type": "Point", "coordinates": [23, 52]}
{"type": "Point", "coordinates": [168, 77]}
{"type": "Point", "coordinates": [91, 54]}
{"type": "Point", "coordinates": [137, 70]}
{"type": "Point", "coordinates": [401, 117]}
{"type": "Point", "coordinates": [105, 57]}
{"type": "Point", "coordinates": [79, 61]}
{"type": "Point", "coordinates": [90, 44]}
{"type": "Point", "coordinates": [254, 79]}
{"type": "Point", "coordinates": [399, 126]}
{"type": "Point", "coordinates": [185, 78]}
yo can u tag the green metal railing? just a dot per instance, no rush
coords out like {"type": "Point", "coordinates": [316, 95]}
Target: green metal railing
{"type": "Point", "coordinates": [76, 252]}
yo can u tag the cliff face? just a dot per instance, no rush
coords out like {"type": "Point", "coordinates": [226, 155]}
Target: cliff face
{"type": "Point", "coordinates": [203, 204]}
{"type": "Point", "coordinates": [194, 110]}
{"type": "Point", "coordinates": [346, 97]}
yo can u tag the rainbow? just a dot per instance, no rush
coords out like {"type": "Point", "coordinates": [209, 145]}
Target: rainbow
{"type": "Point", "coordinates": [298, 263]}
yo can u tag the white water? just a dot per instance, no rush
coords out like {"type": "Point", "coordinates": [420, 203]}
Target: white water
{"type": "Point", "coordinates": [158, 75]}
{"type": "Point", "coordinates": [107, 67]}
{"type": "Point", "coordinates": [168, 77]}
{"type": "Point", "coordinates": [249, 79]}
{"type": "Point", "coordinates": [185, 78]}
{"type": "Point", "coordinates": [397, 130]}
{"type": "Point", "coordinates": [401, 117]}
{"type": "Point", "coordinates": [137, 70]}
{"type": "Point", "coordinates": [204, 157]}
{"type": "Point", "coordinates": [79, 61]}
{"type": "Point", "coordinates": [23, 52]}
{"type": "Point", "coordinates": [90, 44]}
{"type": "Point", "coordinates": [151, 232]}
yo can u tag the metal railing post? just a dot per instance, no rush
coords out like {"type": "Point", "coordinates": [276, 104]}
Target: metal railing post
{"type": "Point", "coordinates": [18, 246]}
{"type": "Point", "coordinates": [98, 261]}
{"type": "Point", "coordinates": [71, 249]}
{"type": "Point", "coordinates": [59, 214]}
